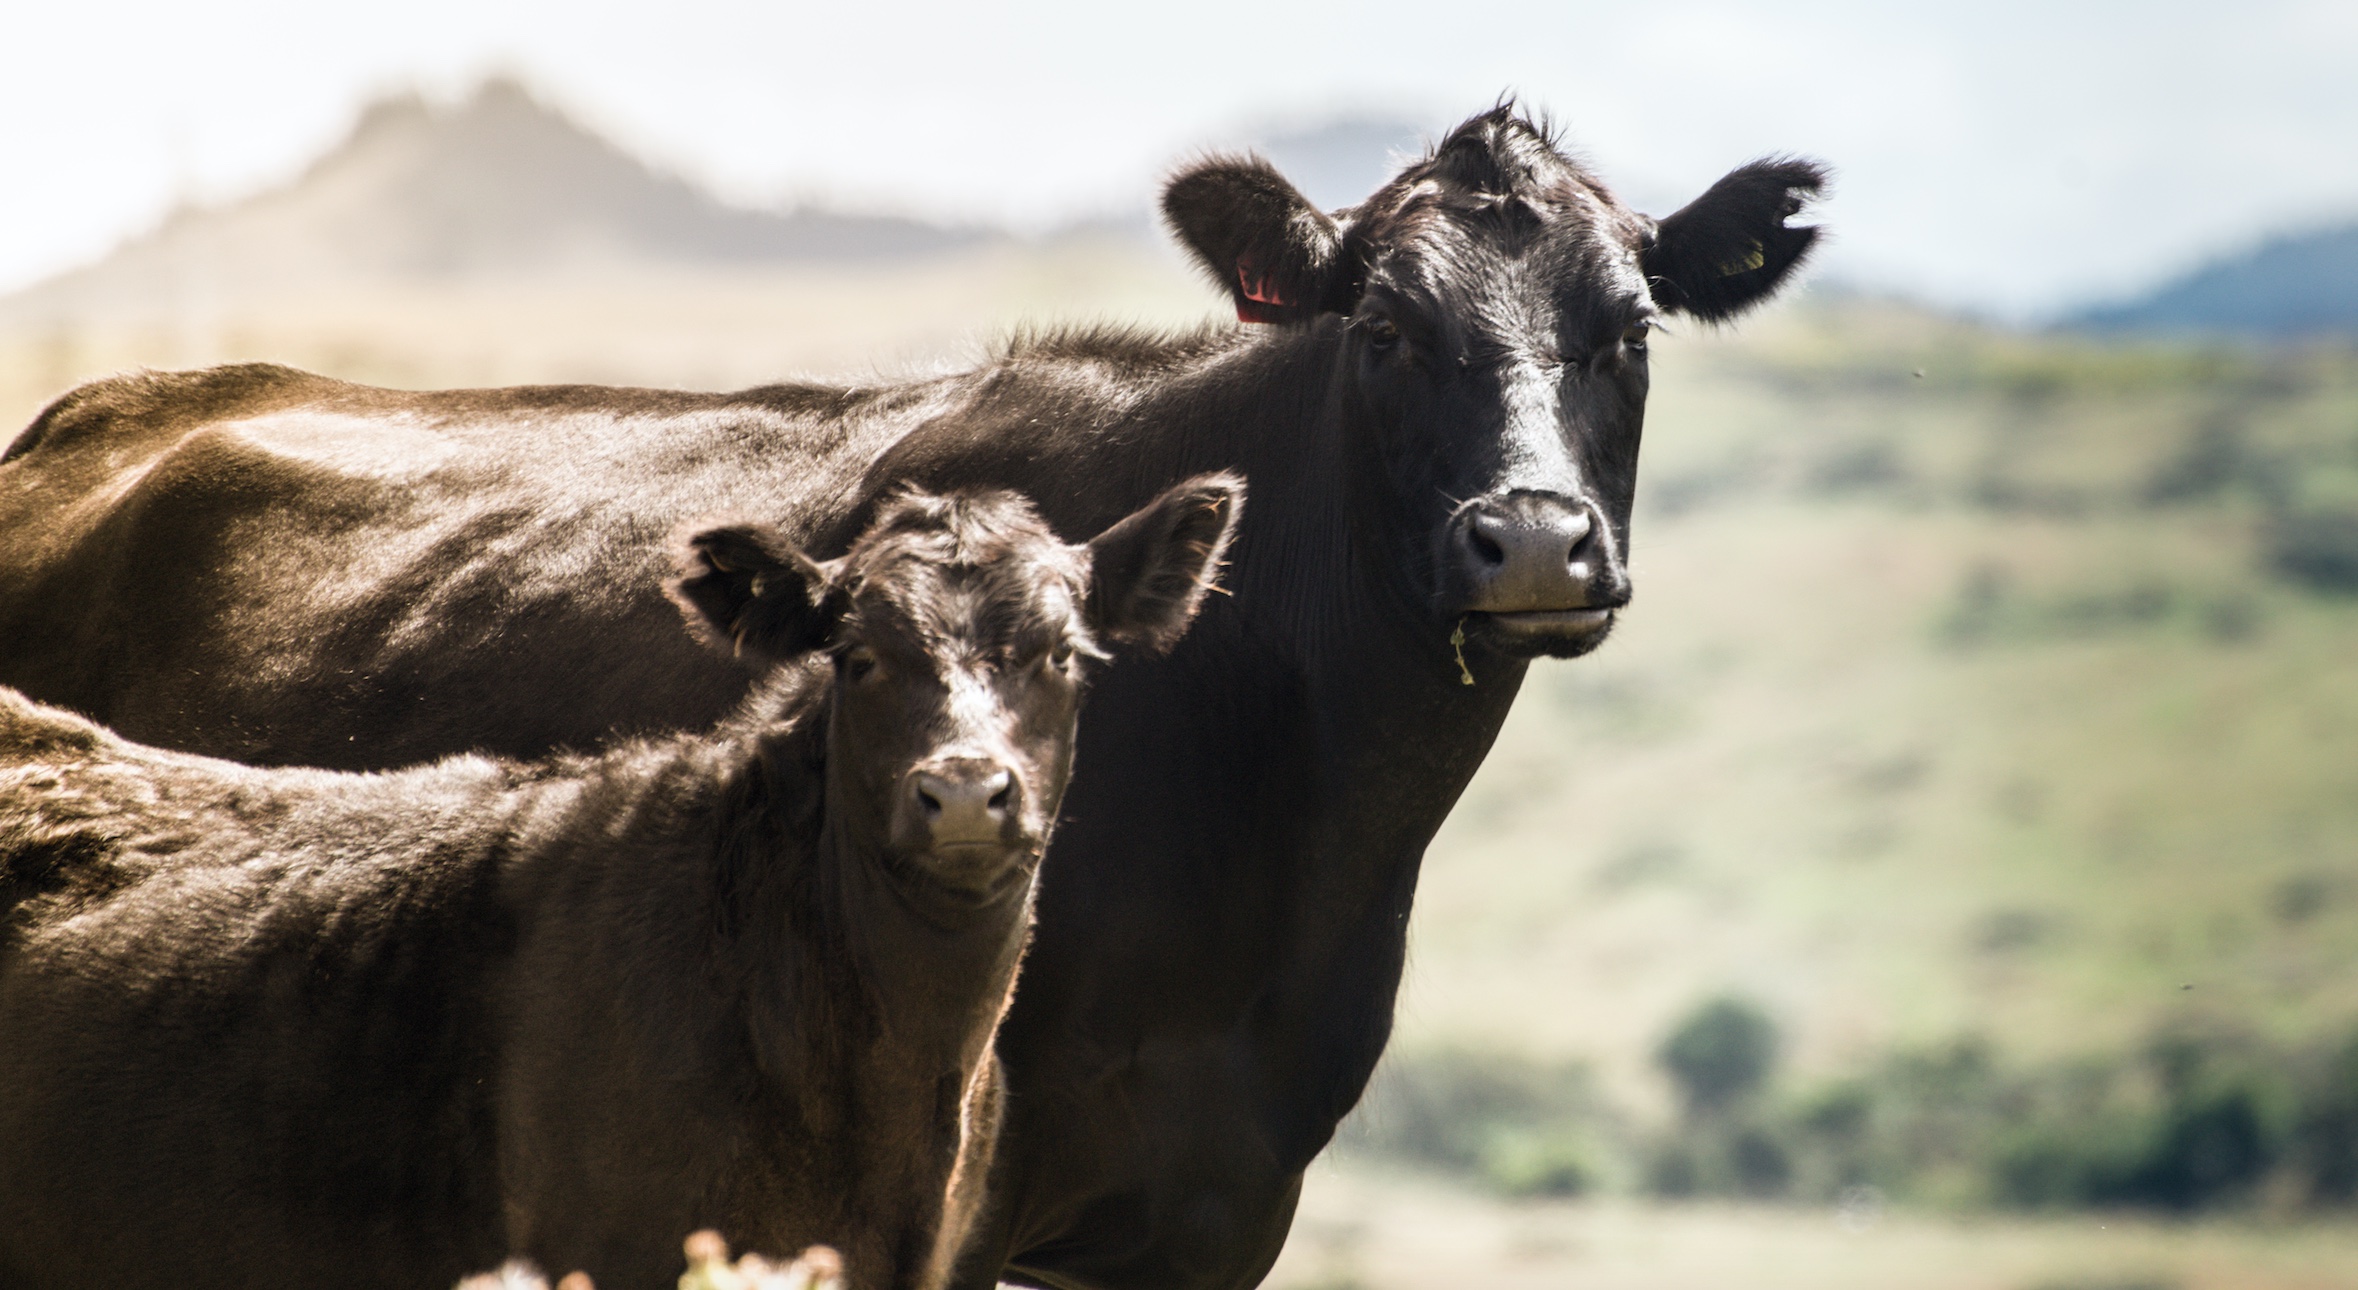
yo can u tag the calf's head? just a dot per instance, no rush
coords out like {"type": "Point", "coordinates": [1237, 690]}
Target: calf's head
{"type": "Point", "coordinates": [961, 631]}
{"type": "Point", "coordinates": [1493, 303]}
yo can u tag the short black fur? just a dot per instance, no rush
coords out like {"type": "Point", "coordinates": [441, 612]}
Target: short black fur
{"type": "Point", "coordinates": [1278, 257]}
{"type": "Point", "coordinates": [1731, 248]}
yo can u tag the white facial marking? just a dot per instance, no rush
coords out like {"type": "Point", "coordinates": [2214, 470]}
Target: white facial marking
{"type": "Point", "coordinates": [1536, 452]}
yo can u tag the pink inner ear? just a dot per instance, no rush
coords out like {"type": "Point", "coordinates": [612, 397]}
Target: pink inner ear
{"type": "Point", "coordinates": [1262, 303]}
{"type": "Point", "coordinates": [1256, 287]}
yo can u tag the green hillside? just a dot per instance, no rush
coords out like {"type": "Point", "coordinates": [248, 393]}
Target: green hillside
{"type": "Point", "coordinates": [1977, 685]}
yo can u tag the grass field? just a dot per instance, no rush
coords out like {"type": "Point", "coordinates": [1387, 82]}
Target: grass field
{"type": "Point", "coordinates": [1368, 1230]}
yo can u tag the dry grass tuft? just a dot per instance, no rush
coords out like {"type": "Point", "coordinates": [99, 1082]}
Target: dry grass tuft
{"type": "Point", "coordinates": [709, 1268]}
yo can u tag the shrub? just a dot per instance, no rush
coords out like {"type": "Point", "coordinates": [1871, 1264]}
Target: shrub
{"type": "Point", "coordinates": [1517, 1126]}
{"type": "Point", "coordinates": [2198, 1120]}
{"type": "Point", "coordinates": [2062, 1161]}
{"type": "Point", "coordinates": [2325, 1139]}
{"type": "Point", "coordinates": [2318, 550]}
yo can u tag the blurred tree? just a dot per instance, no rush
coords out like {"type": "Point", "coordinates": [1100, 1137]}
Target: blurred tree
{"type": "Point", "coordinates": [1721, 1055]}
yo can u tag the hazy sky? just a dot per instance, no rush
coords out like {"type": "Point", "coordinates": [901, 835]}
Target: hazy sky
{"type": "Point", "coordinates": [2011, 157]}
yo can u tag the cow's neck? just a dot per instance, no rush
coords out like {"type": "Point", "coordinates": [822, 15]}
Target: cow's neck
{"type": "Point", "coordinates": [1318, 574]}
{"type": "Point", "coordinates": [1345, 699]}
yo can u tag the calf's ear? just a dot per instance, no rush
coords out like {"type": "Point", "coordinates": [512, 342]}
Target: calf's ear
{"type": "Point", "coordinates": [747, 591]}
{"type": "Point", "coordinates": [1280, 258]}
{"type": "Point", "coordinates": [1731, 248]}
{"type": "Point", "coordinates": [1148, 573]}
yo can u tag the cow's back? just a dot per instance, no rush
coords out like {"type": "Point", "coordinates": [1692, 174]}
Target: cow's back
{"type": "Point", "coordinates": [255, 563]}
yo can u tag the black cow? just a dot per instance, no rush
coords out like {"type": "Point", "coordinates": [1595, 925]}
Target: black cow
{"type": "Point", "coordinates": [307, 1028]}
{"type": "Point", "coordinates": [1439, 408]}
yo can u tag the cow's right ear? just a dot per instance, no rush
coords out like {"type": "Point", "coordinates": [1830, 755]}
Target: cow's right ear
{"type": "Point", "coordinates": [1280, 257]}
{"type": "Point", "coordinates": [1731, 248]}
{"type": "Point", "coordinates": [749, 592]}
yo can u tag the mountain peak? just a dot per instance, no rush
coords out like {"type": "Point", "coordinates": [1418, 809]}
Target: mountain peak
{"type": "Point", "coordinates": [498, 183]}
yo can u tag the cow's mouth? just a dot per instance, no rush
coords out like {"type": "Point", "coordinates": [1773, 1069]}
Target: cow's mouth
{"type": "Point", "coordinates": [971, 863]}
{"type": "Point", "coordinates": [1529, 632]}
{"type": "Point", "coordinates": [970, 854]}
{"type": "Point", "coordinates": [1551, 621]}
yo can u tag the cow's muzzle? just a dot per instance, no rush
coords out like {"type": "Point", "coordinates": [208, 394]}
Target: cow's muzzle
{"type": "Point", "coordinates": [1538, 569]}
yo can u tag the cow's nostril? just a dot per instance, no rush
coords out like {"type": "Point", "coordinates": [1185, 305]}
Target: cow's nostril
{"type": "Point", "coordinates": [931, 804]}
{"type": "Point", "coordinates": [1006, 794]}
{"type": "Point", "coordinates": [1577, 531]}
{"type": "Point", "coordinates": [1531, 553]}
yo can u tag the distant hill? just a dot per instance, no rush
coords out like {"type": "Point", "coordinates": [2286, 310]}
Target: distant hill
{"type": "Point", "coordinates": [499, 184]}
{"type": "Point", "coordinates": [2298, 285]}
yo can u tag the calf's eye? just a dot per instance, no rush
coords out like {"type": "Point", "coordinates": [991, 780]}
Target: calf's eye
{"type": "Point", "coordinates": [858, 662]}
{"type": "Point", "coordinates": [1381, 334]}
{"type": "Point", "coordinates": [1634, 336]}
{"type": "Point", "coordinates": [1060, 656]}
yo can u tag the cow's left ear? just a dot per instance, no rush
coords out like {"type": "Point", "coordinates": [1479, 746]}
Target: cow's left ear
{"type": "Point", "coordinates": [1280, 257]}
{"type": "Point", "coordinates": [749, 592]}
{"type": "Point", "coordinates": [1148, 574]}
{"type": "Point", "coordinates": [1731, 248]}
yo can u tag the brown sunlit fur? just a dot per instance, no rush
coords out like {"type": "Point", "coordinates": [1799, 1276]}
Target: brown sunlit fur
{"type": "Point", "coordinates": [304, 1028]}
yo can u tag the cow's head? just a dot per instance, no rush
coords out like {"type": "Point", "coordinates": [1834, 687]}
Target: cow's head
{"type": "Point", "coordinates": [1493, 303]}
{"type": "Point", "coordinates": [961, 630]}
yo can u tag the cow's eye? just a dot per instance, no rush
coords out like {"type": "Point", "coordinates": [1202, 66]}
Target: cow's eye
{"type": "Point", "coordinates": [1060, 656]}
{"type": "Point", "coordinates": [1633, 337]}
{"type": "Point", "coordinates": [859, 662]}
{"type": "Point", "coordinates": [1381, 334]}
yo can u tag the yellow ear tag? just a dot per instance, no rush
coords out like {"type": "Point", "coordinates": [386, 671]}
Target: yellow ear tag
{"type": "Point", "coordinates": [1457, 642]}
{"type": "Point", "coordinates": [1744, 263]}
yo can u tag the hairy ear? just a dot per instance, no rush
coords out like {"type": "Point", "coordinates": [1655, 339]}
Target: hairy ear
{"type": "Point", "coordinates": [1280, 258]}
{"type": "Point", "coordinates": [1730, 249]}
{"type": "Point", "coordinates": [747, 591]}
{"type": "Point", "coordinates": [1149, 572]}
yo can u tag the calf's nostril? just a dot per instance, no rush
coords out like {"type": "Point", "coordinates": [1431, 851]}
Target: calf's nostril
{"type": "Point", "coordinates": [965, 802]}
{"type": "Point", "coordinates": [1485, 549]}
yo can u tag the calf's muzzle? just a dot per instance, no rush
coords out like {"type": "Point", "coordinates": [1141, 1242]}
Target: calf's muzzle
{"type": "Point", "coordinates": [960, 803]}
